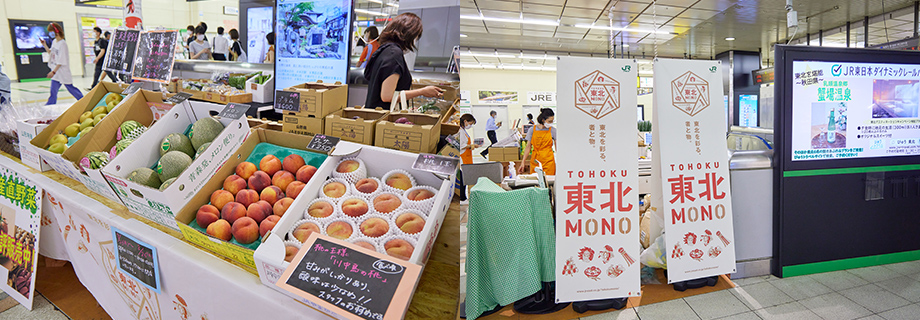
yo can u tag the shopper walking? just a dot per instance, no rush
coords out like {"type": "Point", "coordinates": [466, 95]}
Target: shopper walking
{"type": "Point", "coordinates": [221, 47]}
{"type": "Point", "coordinates": [236, 48]}
{"type": "Point", "coordinates": [59, 62]}
{"type": "Point", "coordinates": [491, 127]}
{"type": "Point", "coordinates": [370, 38]}
{"type": "Point", "coordinates": [199, 49]}
{"type": "Point", "coordinates": [387, 71]}
{"type": "Point", "coordinates": [99, 48]}
{"type": "Point", "coordinates": [542, 137]}
{"type": "Point", "coordinates": [270, 55]}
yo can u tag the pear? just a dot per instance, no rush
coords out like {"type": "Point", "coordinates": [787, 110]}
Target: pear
{"type": "Point", "coordinates": [99, 110]}
{"type": "Point", "coordinates": [58, 138]}
{"type": "Point", "coordinates": [85, 115]}
{"type": "Point", "coordinates": [98, 118]}
{"type": "Point", "coordinates": [86, 123]}
{"type": "Point", "coordinates": [72, 130]}
{"type": "Point", "coordinates": [58, 147]}
{"type": "Point", "coordinates": [110, 106]}
{"type": "Point", "coordinates": [85, 131]}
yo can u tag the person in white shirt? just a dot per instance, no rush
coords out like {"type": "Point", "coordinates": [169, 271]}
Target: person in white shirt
{"type": "Point", "coordinates": [221, 46]}
{"type": "Point", "coordinates": [59, 63]}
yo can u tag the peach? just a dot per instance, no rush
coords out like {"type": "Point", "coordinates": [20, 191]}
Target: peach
{"type": "Point", "coordinates": [232, 211]}
{"type": "Point", "coordinates": [294, 189]}
{"type": "Point", "coordinates": [410, 223]}
{"type": "Point", "coordinates": [266, 225]}
{"type": "Point", "coordinates": [245, 230]}
{"type": "Point", "coordinates": [270, 164]}
{"type": "Point", "coordinates": [220, 198]}
{"type": "Point", "coordinates": [260, 210]}
{"type": "Point", "coordinates": [259, 180]}
{"type": "Point", "coordinates": [321, 209]}
{"type": "Point", "coordinates": [399, 248]}
{"type": "Point", "coordinates": [339, 230]}
{"type": "Point", "coordinates": [348, 166]}
{"type": "Point", "coordinates": [281, 206]}
{"type": "Point", "coordinates": [386, 203]}
{"type": "Point", "coordinates": [335, 190]}
{"type": "Point", "coordinates": [374, 227]}
{"type": "Point", "coordinates": [290, 252]}
{"type": "Point", "coordinates": [354, 207]}
{"type": "Point", "coordinates": [366, 185]}
{"type": "Point", "coordinates": [271, 194]}
{"type": "Point", "coordinates": [366, 245]}
{"type": "Point", "coordinates": [220, 229]}
{"type": "Point", "coordinates": [245, 169]}
{"type": "Point", "coordinates": [305, 173]}
{"type": "Point", "coordinates": [206, 215]}
{"type": "Point", "coordinates": [420, 194]}
{"type": "Point", "coordinates": [247, 197]}
{"type": "Point", "coordinates": [303, 231]}
{"type": "Point", "coordinates": [234, 184]}
{"type": "Point", "coordinates": [292, 162]}
{"type": "Point", "coordinates": [282, 179]}
{"type": "Point", "coordinates": [399, 181]}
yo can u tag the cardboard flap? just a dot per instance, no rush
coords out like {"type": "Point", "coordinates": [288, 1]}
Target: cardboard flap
{"type": "Point", "coordinates": [102, 136]}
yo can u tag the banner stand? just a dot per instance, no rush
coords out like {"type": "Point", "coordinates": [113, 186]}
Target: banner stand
{"type": "Point", "coordinates": [598, 305]}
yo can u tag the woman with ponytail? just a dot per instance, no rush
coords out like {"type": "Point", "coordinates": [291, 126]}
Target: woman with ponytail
{"type": "Point", "coordinates": [59, 63]}
{"type": "Point", "coordinates": [387, 71]}
{"type": "Point", "coordinates": [542, 137]}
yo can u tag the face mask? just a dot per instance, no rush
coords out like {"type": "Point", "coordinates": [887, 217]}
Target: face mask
{"type": "Point", "coordinates": [469, 126]}
{"type": "Point", "coordinates": [548, 125]}
{"type": "Point", "coordinates": [200, 37]}
{"type": "Point", "coordinates": [51, 34]}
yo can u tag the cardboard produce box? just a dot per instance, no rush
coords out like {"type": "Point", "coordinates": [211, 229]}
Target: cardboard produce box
{"type": "Point", "coordinates": [213, 96]}
{"type": "Point", "coordinates": [303, 125]}
{"type": "Point", "coordinates": [504, 154]}
{"type": "Point", "coordinates": [270, 255]}
{"type": "Point", "coordinates": [261, 93]}
{"type": "Point", "coordinates": [162, 206]}
{"type": "Point", "coordinates": [343, 124]}
{"type": "Point", "coordinates": [233, 250]}
{"type": "Point", "coordinates": [419, 137]}
{"type": "Point", "coordinates": [319, 99]}
{"type": "Point", "coordinates": [27, 130]}
{"type": "Point", "coordinates": [448, 127]}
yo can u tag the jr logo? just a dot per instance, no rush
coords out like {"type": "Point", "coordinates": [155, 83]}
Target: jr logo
{"type": "Point", "coordinates": [713, 69]}
{"type": "Point", "coordinates": [626, 68]}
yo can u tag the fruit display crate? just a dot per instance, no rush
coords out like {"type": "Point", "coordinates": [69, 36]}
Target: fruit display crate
{"type": "Point", "coordinates": [160, 205]}
{"type": "Point", "coordinates": [238, 197]}
{"type": "Point", "coordinates": [354, 124]}
{"type": "Point", "coordinates": [215, 97]}
{"type": "Point", "coordinates": [270, 257]}
{"type": "Point", "coordinates": [406, 131]}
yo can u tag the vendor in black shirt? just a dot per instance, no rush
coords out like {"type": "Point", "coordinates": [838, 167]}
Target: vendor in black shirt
{"type": "Point", "coordinates": [387, 71]}
{"type": "Point", "coordinates": [99, 47]}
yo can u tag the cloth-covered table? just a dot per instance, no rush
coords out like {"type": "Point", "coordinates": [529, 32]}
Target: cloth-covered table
{"type": "Point", "coordinates": [511, 248]}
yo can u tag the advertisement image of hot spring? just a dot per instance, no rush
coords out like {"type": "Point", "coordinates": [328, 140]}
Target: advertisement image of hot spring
{"type": "Point", "coordinates": [312, 29]}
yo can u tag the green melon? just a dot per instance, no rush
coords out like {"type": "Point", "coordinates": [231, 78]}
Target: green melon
{"type": "Point", "coordinates": [172, 164]}
{"type": "Point", "coordinates": [130, 130]}
{"type": "Point", "coordinates": [176, 142]}
{"type": "Point", "coordinates": [167, 183]}
{"type": "Point", "coordinates": [204, 130]}
{"type": "Point", "coordinates": [201, 149]}
{"type": "Point", "coordinates": [119, 147]}
{"type": "Point", "coordinates": [95, 160]}
{"type": "Point", "coordinates": [145, 176]}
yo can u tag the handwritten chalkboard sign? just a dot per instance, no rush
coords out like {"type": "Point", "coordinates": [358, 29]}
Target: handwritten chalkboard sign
{"type": "Point", "coordinates": [323, 143]}
{"type": "Point", "coordinates": [178, 98]}
{"type": "Point", "coordinates": [234, 111]}
{"type": "Point", "coordinates": [132, 88]}
{"type": "Point", "coordinates": [436, 164]}
{"type": "Point", "coordinates": [155, 55]}
{"type": "Point", "coordinates": [356, 283]}
{"type": "Point", "coordinates": [137, 259]}
{"type": "Point", "coordinates": [119, 56]}
{"type": "Point", "coordinates": [287, 101]}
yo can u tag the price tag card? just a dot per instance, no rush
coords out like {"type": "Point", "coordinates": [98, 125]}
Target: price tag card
{"type": "Point", "coordinates": [323, 143]}
{"type": "Point", "coordinates": [155, 56]}
{"type": "Point", "coordinates": [234, 111]}
{"type": "Point", "coordinates": [119, 56]}
{"type": "Point", "coordinates": [436, 163]}
{"type": "Point", "coordinates": [350, 281]}
{"type": "Point", "coordinates": [287, 101]}
{"type": "Point", "coordinates": [178, 98]}
{"type": "Point", "coordinates": [137, 259]}
{"type": "Point", "coordinates": [132, 88]}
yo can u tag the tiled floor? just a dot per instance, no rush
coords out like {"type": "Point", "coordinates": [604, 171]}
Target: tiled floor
{"type": "Point", "coordinates": [37, 92]}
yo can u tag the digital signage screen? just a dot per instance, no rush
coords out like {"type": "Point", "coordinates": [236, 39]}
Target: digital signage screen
{"type": "Point", "coordinates": [258, 24]}
{"type": "Point", "coordinates": [747, 110]}
{"type": "Point", "coordinates": [27, 35]}
{"type": "Point", "coordinates": [312, 41]}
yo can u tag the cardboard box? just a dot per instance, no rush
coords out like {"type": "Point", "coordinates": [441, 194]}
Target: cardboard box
{"type": "Point", "coordinates": [448, 127]}
{"type": "Point", "coordinates": [269, 257]}
{"type": "Point", "coordinates": [341, 124]}
{"type": "Point", "coordinates": [504, 154]}
{"type": "Point", "coordinates": [319, 99]}
{"type": "Point", "coordinates": [420, 137]}
{"type": "Point", "coordinates": [185, 216]}
{"type": "Point", "coordinates": [261, 93]}
{"type": "Point", "coordinates": [214, 96]}
{"type": "Point", "coordinates": [27, 130]}
{"type": "Point", "coordinates": [161, 206]}
{"type": "Point", "coordinates": [303, 125]}
{"type": "Point", "coordinates": [451, 92]}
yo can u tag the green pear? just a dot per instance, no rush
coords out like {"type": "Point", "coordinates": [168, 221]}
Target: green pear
{"type": "Point", "coordinates": [86, 123]}
{"type": "Point", "coordinates": [86, 130]}
{"type": "Point", "coordinates": [58, 147]}
{"type": "Point", "coordinates": [110, 106]}
{"type": "Point", "coordinates": [58, 138]}
{"type": "Point", "coordinates": [72, 130]}
{"type": "Point", "coordinates": [99, 110]}
{"type": "Point", "coordinates": [85, 115]}
{"type": "Point", "coordinates": [98, 118]}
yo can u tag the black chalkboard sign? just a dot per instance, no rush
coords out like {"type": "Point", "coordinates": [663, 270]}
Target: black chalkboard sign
{"type": "Point", "coordinates": [323, 143]}
{"type": "Point", "coordinates": [355, 282]}
{"type": "Point", "coordinates": [155, 56]}
{"type": "Point", "coordinates": [119, 56]}
{"type": "Point", "coordinates": [137, 259]}
{"type": "Point", "coordinates": [132, 88]}
{"type": "Point", "coordinates": [436, 164]}
{"type": "Point", "coordinates": [178, 98]}
{"type": "Point", "coordinates": [234, 111]}
{"type": "Point", "coordinates": [287, 101]}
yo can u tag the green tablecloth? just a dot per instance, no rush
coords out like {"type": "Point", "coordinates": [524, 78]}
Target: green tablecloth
{"type": "Point", "coordinates": [511, 247]}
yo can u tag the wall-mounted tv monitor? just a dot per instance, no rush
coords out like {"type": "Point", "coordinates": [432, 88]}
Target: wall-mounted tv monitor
{"type": "Point", "coordinates": [27, 35]}
{"type": "Point", "coordinates": [312, 41]}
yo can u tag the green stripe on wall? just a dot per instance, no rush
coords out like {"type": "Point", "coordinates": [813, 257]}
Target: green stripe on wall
{"type": "Point", "coordinates": [29, 54]}
{"type": "Point", "coordinates": [824, 172]}
{"type": "Point", "coordinates": [852, 263]}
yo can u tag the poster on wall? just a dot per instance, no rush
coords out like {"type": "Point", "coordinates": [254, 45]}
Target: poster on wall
{"type": "Point", "coordinates": [498, 97]}
{"type": "Point", "coordinates": [597, 219]}
{"type": "Point", "coordinates": [100, 3]}
{"type": "Point", "coordinates": [694, 191]}
{"type": "Point", "coordinates": [844, 110]}
{"type": "Point", "coordinates": [20, 221]}
{"type": "Point", "coordinates": [312, 41]}
{"type": "Point", "coordinates": [154, 59]}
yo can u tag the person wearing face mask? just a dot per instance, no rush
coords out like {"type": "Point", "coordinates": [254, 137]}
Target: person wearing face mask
{"type": "Point", "coordinates": [466, 144]}
{"type": "Point", "coordinates": [387, 71]}
{"type": "Point", "coordinates": [199, 49]}
{"type": "Point", "coordinates": [371, 45]}
{"type": "Point", "coordinates": [491, 127]}
{"type": "Point", "coordinates": [59, 63]}
{"type": "Point", "coordinates": [542, 137]}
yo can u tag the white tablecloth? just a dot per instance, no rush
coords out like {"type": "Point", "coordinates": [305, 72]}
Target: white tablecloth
{"type": "Point", "coordinates": [195, 284]}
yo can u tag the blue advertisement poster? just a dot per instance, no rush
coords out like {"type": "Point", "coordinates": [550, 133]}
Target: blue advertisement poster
{"type": "Point", "coordinates": [747, 105]}
{"type": "Point", "coordinates": [312, 41]}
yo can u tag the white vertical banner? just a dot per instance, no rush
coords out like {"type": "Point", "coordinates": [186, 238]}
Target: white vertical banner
{"type": "Point", "coordinates": [132, 14]}
{"type": "Point", "coordinates": [597, 193]}
{"type": "Point", "coordinates": [690, 162]}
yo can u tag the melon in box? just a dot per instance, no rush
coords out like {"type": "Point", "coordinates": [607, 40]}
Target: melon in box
{"type": "Point", "coordinates": [262, 88]}
{"type": "Point", "coordinates": [200, 221]}
{"type": "Point", "coordinates": [145, 195]}
{"type": "Point", "coordinates": [412, 132]}
{"type": "Point", "coordinates": [270, 256]}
